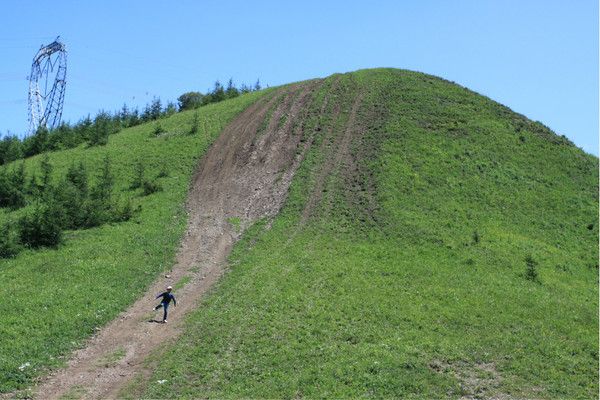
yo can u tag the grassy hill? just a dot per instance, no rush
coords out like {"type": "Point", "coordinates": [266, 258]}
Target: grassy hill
{"type": "Point", "coordinates": [53, 299]}
{"type": "Point", "coordinates": [433, 244]}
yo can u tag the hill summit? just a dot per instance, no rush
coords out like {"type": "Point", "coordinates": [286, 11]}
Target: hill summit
{"type": "Point", "coordinates": [434, 243]}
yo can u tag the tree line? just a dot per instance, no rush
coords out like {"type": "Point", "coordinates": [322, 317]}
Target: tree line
{"type": "Point", "coordinates": [77, 200]}
{"type": "Point", "coordinates": [95, 131]}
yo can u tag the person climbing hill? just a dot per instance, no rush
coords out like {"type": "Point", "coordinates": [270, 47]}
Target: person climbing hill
{"type": "Point", "coordinates": [164, 303]}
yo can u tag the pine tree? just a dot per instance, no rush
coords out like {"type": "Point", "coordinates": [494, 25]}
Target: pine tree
{"type": "Point", "coordinates": [46, 169]}
{"type": "Point", "coordinates": [138, 177]}
{"type": "Point", "coordinates": [218, 93]}
{"type": "Point", "coordinates": [77, 176]}
{"type": "Point", "coordinates": [155, 109]}
{"type": "Point", "coordinates": [100, 203]}
{"type": "Point", "coordinates": [170, 109]}
{"type": "Point", "coordinates": [72, 195]}
{"type": "Point", "coordinates": [10, 244]}
{"type": "Point", "coordinates": [42, 226]}
{"type": "Point", "coordinates": [100, 130]}
{"type": "Point", "coordinates": [195, 124]}
{"type": "Point", "coordinates": [231, 90]}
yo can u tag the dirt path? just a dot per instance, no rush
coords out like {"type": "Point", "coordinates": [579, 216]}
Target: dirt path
{"type": "Point", "coordinates": [336, 147]}
{"type": "Point", "coordinates": [244, 176]}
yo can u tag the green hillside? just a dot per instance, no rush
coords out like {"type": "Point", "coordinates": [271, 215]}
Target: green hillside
{"type": "Point", "coordinates": [433, 244]}
{"type": "Point", "coordinates": [53, 299]}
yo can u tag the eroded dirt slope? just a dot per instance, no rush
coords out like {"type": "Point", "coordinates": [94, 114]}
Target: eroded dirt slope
{"type": "Point", "coordinates": [244, 176]}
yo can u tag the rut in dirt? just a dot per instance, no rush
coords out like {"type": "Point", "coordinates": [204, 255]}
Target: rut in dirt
{"type": "Point", "coordinates": [244, 176]}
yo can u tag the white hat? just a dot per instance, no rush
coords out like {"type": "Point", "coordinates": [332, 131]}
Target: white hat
{"type": "Point", "coordinates": [169, 288]}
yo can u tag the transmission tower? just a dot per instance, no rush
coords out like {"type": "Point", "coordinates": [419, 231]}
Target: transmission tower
{"type": "Point", "coordinates": [47, 83]}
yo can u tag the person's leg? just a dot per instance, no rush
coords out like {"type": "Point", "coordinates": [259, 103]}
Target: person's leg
{"type": "Point", "coordinates": [165, 308]}
{"type": "Point", "coordinates": [158, 306]}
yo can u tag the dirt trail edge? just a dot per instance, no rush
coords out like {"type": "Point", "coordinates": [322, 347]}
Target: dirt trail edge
{"type": "Point", "coordinates": [244, 176]}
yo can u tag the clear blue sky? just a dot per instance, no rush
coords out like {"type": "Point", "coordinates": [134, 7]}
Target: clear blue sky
{"type": "Point", "coordinates": [540, 58]}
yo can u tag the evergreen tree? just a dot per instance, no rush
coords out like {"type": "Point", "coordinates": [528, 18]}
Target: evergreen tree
{"type": "Point", "coordinates": [12, 187]}
{"type": "Point", "coordinates": [155, 109]}
{"type": "Point", "coordinates": [195, 124]}
{"type": "Point", "coordinates": [36, 143]}
{"type": "Point", "coordinates": [138, 177]}
{"type": "Point", "coordinates": [84, 129]}
{"type": "Point", "coordinates": [72, 196]}
{"type": "Point", "coordinates": [134, 118]}
{"type": "Point", "coordinates": [245, 88]}
{"type": "Point", "coordinates": [11, 148]}
{"type": "Point", "coordinates": [231, 90]}
{"type": "Point", "coordinates": [78, 177]}
{"type": "Point", "coordinates": [100, 203]}
{"type": "Point", "coordinates": [5, 188]}
{"type": "Point", "coordinates": [100, 129]}
{"type": "Point", "coordinates": [10, 244]}
{"type": "Point", "coordinates": [46, 170]}
{"type": "Point", "coordinates": [124, 116]}
{"type": "Point", "coordinates": [105, 181]}
{"type": "Point", "coordinates": [218, 93]}
{"type": "Point", "coordinates": [170, 109]}
{"type": "Point", "coordinates": [42, 226]}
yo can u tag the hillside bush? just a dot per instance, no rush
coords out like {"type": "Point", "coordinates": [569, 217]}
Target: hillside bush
{"type": "Point", "coordinates": [10, 244]}
{"type": "Point", "coordinates": [531, 272]}
{"type": "Point", "coordinates": [190, 100]}
{"type": "Point", "coordinates": [195, 124]}
{"type": "Point", "coordinates": [151, 186]}
{"type": "Point", "coordinates": [158, 129]}
{"type": "Point", "coordinates": [42, 226]}
{"type": "Point", "coordinates": [138, 176]}
{"type": "Point", "coordinates": [12, 187]}
{"type": "Point", "coordinates": [101, 130]}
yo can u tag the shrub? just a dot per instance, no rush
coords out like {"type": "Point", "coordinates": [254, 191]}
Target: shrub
{"type": "Point", "coordinates": [190, 100]}
{"type": "Point", "coordinates": [42, 227]}
{"type": "Point", "coordinates": [78, 176]}
{"type": "Point", "coordinates": [100, 130]}
{"type": "Point", "coordinates": [150, 187]}
{"type": "Point", "coordinates": [12, 187]}
{"type": "Point", "coordinates": [163, 171]}
{"type": "Point", "coordinates": [195, 124]}
{"type": "Point", "coordinates": [476, 237]}
{"type": "Point", "coordinates": [125, 212]}
{"type": "Point", "coordinates": [72, 200]}
{"type": "Point", "coordinates": [531, 269]}
{"type": "Point", "coordinates": [138, 177]}
{"type": "Point", "coordinates": [10, 244]}
{"type": "Point", "coordinates": [158, 129]}
{"type": "Point", "coordinates": [98, 209]}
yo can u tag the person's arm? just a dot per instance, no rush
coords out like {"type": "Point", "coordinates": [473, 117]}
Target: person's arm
{"type": "Point", "coordinates": [160, 295]}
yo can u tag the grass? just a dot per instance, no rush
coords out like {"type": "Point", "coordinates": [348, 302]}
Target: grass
{"type": "Point", "coordinates": [74, 393]}
{"type": "Point", "coordinates": [56, 298]}
{"type": "Point", "coordinates": [386, 291]}
{"type": "Point", "coordinates": [235, 222]}
{"type": "Point", "coordinates": [182, 282]}
{"type": "Point", "coordinates": [112, 359]}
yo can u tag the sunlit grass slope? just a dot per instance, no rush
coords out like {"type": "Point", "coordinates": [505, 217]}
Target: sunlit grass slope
{"type": "Point", "coordinates": [458, 258]}
{"type": "Point", "coordinates": [52, 299]}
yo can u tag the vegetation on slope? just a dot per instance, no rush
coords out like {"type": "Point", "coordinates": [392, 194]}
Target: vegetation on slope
{"type": "Point", "coordinates": [56, 298]}
{"type": "Point", "coordinates": [446, 247]}
{"type": "Point", "coordinates": [95, 131]}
